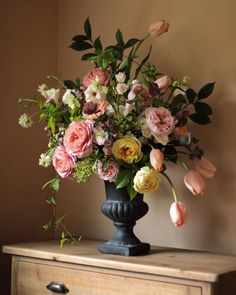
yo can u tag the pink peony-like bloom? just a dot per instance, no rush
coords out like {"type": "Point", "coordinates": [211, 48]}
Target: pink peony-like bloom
{"type": "Point", "coordinates": [109, 172]}
{"type": "Point", "coordinates": [163, 83]}
{"type": "Point", "coordinates": [158, 28]}
{"type": "Point", "coordinates": [78, 138]}
{"type": "Point", "coordinates": [195, 182]}
{"type": "Point", "coordinates": [62, 161]}
{"type": "Point", "coordinates": [160, 122]}
{"type": "Point", "coordinates": [178, 213]}
{"type": "Point", "coordinates": [101, 75]}
{"type": "Point", "coordinates": [98, 110]}
{"type": "Point", "coordinates": [205, 167]}
{"type": "Point", "coordinates": [157, 159]}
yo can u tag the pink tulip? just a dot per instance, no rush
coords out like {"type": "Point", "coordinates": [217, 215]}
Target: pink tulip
{"type": "Point", "coordinates": [205, 168]}
{"type": "Point", "coordinates": [163, 83]}
{"type": "Point", "coordinates": [158, 28]}
{"type": "Point", "coordinates": [178, 213]}
{"type": "Point", "coordinates": [157, 159]}
{"type": "Point", "coordinates": [195, 182]}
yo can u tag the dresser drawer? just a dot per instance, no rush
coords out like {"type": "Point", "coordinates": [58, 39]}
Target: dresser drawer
{"type": "Point", "coordinates": [32, 279]}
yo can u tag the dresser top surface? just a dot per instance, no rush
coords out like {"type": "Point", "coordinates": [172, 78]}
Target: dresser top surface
{"type": "Point", "coordinates": [170, 262]}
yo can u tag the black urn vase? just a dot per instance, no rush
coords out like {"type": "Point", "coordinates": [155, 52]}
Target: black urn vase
{"type": "Point", "coordinates": [124, 213]}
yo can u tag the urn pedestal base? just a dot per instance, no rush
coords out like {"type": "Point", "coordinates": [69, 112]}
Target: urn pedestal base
{"type": "Point", "coordinates": [127, 250]}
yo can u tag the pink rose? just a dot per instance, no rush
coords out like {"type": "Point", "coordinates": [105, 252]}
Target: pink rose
{"type": "Point", "coordinates": [158, 28]}
{"type": "Point", "coordinates": [163, 83]}
{"type": "Point", "coordinates": [108, 172]}
{"type": "Point", "coordinates": [205, 167]}
{"type": "Point", "coordinates": [195, 183]}
{"type": "Point", "coordinates": [157, 159]}
{"type": "Point", "coordinates": [62, 162]}
{"type": "Point", "coordinates": [160, 122]}
{"type": "Point", "coordinates": [78, 138]}
{"type": "Point", "coordinates": [178, 213]}
{"type": "Point", "coordinates": [91, 76]}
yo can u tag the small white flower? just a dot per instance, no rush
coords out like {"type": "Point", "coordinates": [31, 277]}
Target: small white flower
{"type": "Point", "coordinates": [52, 95]}
{"type": "Point", "coordinates": [45, 160]}
{"type": "Point", "coordinates": [146, 131]}
{"type": "Point", "coordinates": [42, 89]}
{"type": "Point", "coordinates": [135, 82]}
{"type": "Point", "coordinates": [120, 77]}
{"type": "Point", "coordinates": [70, 99]}
{"type": "Point", "coordinates": [25, 121]}
{"type": "Point", "coordinates": [121, 88]}
{"type": "Point", "coordinates": [95, 93]}
{"type": "Point", "coordinates": [100, 136]}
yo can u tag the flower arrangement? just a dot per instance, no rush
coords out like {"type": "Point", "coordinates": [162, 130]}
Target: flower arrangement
{"type": "Point", "coordinates": [123, 121]}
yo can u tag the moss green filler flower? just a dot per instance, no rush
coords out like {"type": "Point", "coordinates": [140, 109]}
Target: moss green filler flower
{"type": "Point", "coordinates": [110, 122]}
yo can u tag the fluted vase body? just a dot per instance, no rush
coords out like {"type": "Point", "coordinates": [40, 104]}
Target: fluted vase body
{"type": "Point", "coordinates": [124, 213]}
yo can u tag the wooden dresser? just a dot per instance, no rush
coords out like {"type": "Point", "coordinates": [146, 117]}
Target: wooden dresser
{"type": "Point", "coordinates": [81, 270]}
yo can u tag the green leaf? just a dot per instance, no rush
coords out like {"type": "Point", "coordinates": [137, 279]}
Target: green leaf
{"type": "Point", "coordinates": [88, 56]}
{"type": "Point", "coordinates": [200, 119]}
{"type": "Point", "coordinates": [191, 95]}
{"type": "Point", "coordinates": [142, 63]}
{"type": "Point", "coordinates": [79, 38]}
{"type": "Point", "coordinates": [87, 28]}
{"type": "Point", "coordinates": [52, 124]}
{"type": "Point", "coordinates": [131, 191]}
{"type": "Point", "coordinates": [178, 100]}
{"type": "Point", "coordinates": [123, 64]}
{"type": "Point", "coordinates": [206, 90]}
{"type": "Point", "coordinates": [70, 84]}
{"type": "Point", "coordinates": [80, 46]}
{"type": "Point", "coordinates": [202, 108]}
{"type": "Point", "coordinates": [77, 81]}
{"type": "Point", "coordinates": [171, 154]}
{"type": "Point", "coordinates": [119, 38]}
{"type": "Point", "coordinates": [131, 42]}
{"type": "Point", "coordinates": [97, 43]}
{"type": "Point", "coordinates": [54, 183]}
{"type": "Point", "coordinates": [123, 178]}
{"type": "Point", "coordinates": [51, 200]}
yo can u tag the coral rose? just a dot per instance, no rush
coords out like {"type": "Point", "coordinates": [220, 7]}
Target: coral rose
{"type": "Point", "coordinates": [146, 180]}
{"type": "Point", "coordinates": [157, 159]}
{"type": "Point", "coordinates": [128, 149]}
{"type": "Point", "coordinates": [158, 28]}
{"type": "Point", "coordinates": [205, 167]}
{"type": "Point", "coordinates": [160, 122]}
{"type": "Point", "coordinates": [101, 75]}
{"type": "Point", "coordinates": [78, 138]}
{"type": "Point", "coordinates": [178, 213]}
{"type": "Point", "coordinates": [108, 172]}
{"type": "Point", "coordinates": [99, 109]}
{"type": "Point", "coordinates": [195, 183]}
{"type": "Point", "coordinates": [62, 162]}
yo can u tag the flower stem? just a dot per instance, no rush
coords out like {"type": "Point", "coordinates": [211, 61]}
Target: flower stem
{"type": "Point", "coordinates": [171, 185]}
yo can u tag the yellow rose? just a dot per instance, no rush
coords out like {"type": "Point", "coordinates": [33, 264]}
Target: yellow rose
{"type": "Point", "coordinates": [128, 149]}
{"type": "Point", "coordinates": [146, 180]}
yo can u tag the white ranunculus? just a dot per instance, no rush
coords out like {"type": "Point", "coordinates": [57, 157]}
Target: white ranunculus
{"type": "Point", "coordinates": [121, 88]}
{"type": "Point", "coordinates": [120, 77]}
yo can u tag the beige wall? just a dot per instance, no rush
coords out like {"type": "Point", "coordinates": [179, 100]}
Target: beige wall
{"type": "Point", "coordinates": [28, 31]}
{"type": "Point", "coordinates": [201, 43]}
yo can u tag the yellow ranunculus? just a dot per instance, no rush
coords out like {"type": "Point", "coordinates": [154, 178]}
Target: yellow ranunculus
{"type": "Point", "coordinates": [128, 149]}
{"type": "Point", "coordinates": [146, 180]}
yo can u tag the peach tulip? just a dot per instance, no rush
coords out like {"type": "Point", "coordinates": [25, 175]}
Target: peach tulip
{"type": "Point", "coordinates": [178, 213]}
{"type": "Point", "coordinates": [205, 168]}
{"type": "Point", "coordinates": [157, 159]}
{"type": "Point", "coordinates": [158, 28]}
{"type": "Point", "coordinates": [195, 182]}
{"type": "Point", "coordinates": [163, 83]}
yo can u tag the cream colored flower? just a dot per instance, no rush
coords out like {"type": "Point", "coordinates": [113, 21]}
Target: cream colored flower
{"type": "Point", "coordinates": [146, 180]}
{"type": "Point", "coordinates": [70, 99]}
{"type": "Point", "coordinates": [120, 77]}
{"type": "Point", "coordinates": [25, 121]}
{"type": "Point", "coordinates": [121, 88]}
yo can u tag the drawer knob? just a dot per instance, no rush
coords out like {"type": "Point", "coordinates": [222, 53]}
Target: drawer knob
{"type": "Point", "coordinates": [58, 287]}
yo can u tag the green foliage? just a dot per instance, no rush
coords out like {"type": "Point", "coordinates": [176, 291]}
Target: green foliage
{"type": "Point", "coordinates": [53, 183]}
{"type": "Point", "coordinates": [84, 168]}
{"type": "Point", "coordinates": [206, 90]}
{"type": "Point", "coordinates": [123, 178]}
